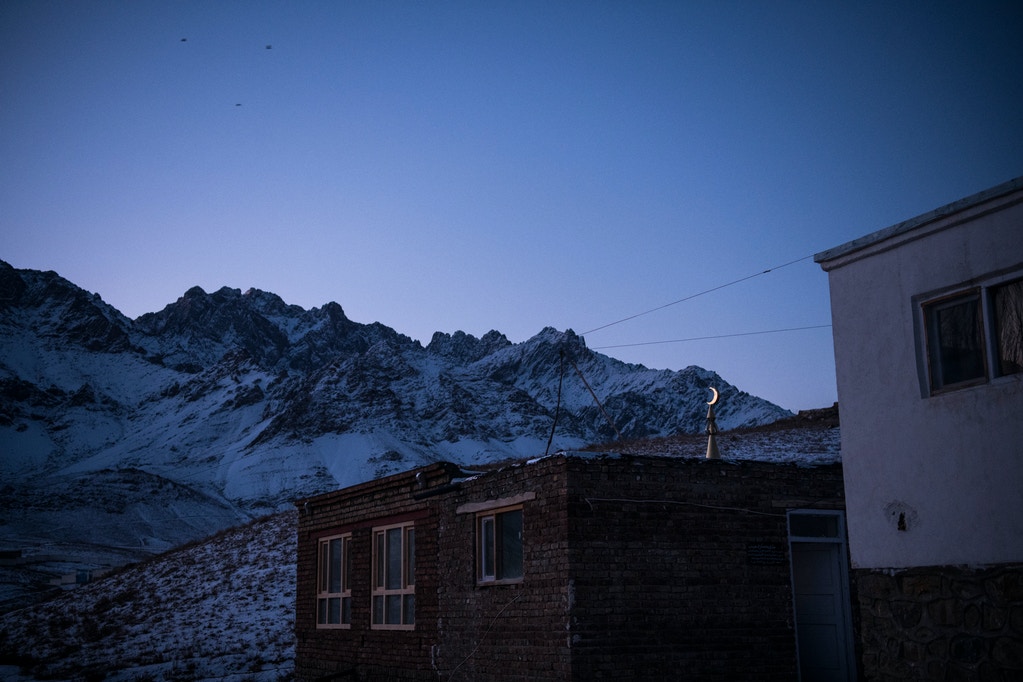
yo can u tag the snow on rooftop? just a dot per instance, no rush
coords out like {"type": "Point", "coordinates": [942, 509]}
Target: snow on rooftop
{"type": "Point", "coordinates": [811, 438]}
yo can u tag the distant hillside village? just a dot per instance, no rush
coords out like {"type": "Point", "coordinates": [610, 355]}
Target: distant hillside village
{"type": "Point", "coordinates": [904, 561]}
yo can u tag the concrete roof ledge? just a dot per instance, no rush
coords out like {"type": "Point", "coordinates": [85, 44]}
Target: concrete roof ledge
{"type": "Point", "coordinates": [903, 229]}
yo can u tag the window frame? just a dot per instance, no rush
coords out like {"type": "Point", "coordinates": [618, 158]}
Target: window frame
{"type": "Point", "coordinates": [494, 558]}
{"type": "Point", "coordinates": [983, 291]}
{"type": "Point", "coordinates": [324, 587]}
{"type": "Point", "coordinates": [385, 586]}
{"type": "Point", "coordinates": [936, 366]}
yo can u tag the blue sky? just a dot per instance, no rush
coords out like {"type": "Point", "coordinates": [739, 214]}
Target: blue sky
{"type": "Point", "coordinates": [503, 165]}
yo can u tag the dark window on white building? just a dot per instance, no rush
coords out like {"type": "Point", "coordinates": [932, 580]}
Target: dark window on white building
{"type": "Point", "coordinates": [955, 340]}
{"type": "Point", "coordinates": [973, 335]}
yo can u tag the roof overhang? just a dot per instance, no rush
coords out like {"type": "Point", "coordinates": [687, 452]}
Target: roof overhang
{"type": "Point", "coordinates": [950, 215]}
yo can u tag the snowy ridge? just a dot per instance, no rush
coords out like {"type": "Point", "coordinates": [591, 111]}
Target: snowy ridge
{"type": "Point", "coordinates": [225, 406]}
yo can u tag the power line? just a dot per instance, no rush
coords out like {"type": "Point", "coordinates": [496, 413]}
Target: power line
{"type": "Point", "coordinates": [717, 336]}
{"type": "Point", "coordinates": [692, 296]}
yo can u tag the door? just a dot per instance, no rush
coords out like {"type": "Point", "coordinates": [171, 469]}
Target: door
{"type": "Point", "coordinates": [820, 591]}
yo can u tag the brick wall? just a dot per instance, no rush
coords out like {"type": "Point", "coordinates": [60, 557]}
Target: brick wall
{"type": "Point", "coordinates": [942, 623]}
{"type": "Point", "coordinates": [670, 580]}
{"type": "Point", "coordinates": [634, 568]}
{"type": "Point", "coordinates": [508, 632]}
{"type": "Point", "coordinates": [362, 652]}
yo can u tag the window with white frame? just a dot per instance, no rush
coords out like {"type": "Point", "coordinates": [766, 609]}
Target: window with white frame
{"type": "Point", "coordinates": [499, 546]}
{"type": "Point", "coordinates": [394, 571]}
{"type": "Point", "coordinates": [974, 335]}
{"type": "Point", "coordinates": [333, 582]}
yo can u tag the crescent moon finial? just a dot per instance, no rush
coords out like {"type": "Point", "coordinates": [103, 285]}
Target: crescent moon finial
{"type": "Point", "coordinates": [717, 396]}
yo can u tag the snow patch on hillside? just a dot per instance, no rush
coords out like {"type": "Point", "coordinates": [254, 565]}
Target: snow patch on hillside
{"type": "Point", "coordinates": [222, 609]}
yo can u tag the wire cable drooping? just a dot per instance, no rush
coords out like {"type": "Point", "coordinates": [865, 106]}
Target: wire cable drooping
{"type": "Point", "coordinates": [596, 399]}
{"type": "Point", "coordinates": [716, 336]}
{"type": "Point", "coordinates": [557, 406]}
{"type": "Point", "coordinates": [692, 296]}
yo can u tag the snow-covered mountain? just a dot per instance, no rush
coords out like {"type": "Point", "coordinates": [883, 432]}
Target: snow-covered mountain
{"type": "Point", "coordinates": [121, 438]}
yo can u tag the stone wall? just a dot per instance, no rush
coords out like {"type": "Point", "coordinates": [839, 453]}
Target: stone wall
{"type": "Point", "coordinates": [942, 623]}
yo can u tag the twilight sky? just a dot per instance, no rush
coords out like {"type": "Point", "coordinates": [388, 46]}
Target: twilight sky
{"type": "Point", "coordinates": [503, 165]}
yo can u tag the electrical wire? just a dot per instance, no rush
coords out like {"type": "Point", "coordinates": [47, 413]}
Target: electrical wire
{"type": "Point", "coordinates": [692, 296]}
{"type": "Point", "coordinates": [596, 399]}
{"type": "Point", "coordinates": [626, 500]}
{"type": "Point", "coordinates": [716, 336]}
{"type": "Point", "coordinates": [479, 642]}
{"type": "Point", "coordinates": [557, 406]}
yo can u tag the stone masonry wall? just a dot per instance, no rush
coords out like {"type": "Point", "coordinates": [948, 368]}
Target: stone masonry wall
{"type": "Point", "coordinates": [942, 623]}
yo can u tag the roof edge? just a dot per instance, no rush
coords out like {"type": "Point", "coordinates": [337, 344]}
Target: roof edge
{"type": "Point", "coordinates": [905, 226]}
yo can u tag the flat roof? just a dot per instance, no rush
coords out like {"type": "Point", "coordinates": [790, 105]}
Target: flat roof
{"type": "Point", "coordinates": [920, 220]}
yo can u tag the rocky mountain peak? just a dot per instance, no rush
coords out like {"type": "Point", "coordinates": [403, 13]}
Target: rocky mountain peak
{"type": "Point", "coordinates": [270, 304]}
{"type": "Point", "coordinates": [57, 309]}
{"type": "Point", "coordinates": [251, 402]}
{"type": "Point", "coordinates": [466, 348]}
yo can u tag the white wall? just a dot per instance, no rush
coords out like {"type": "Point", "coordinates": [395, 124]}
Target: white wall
{"type": "Point", "coordinates": [951, 464]}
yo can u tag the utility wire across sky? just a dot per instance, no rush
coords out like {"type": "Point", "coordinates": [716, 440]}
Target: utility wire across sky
{"type": "Point", "coordinates": [692, 296]}
{"type": "Point", "coordinates": [695, 296]}
{"type": "Point", "coordinates": [716, 336]}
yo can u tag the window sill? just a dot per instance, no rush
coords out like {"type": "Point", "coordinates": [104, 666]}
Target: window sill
{"type": "Point", "coordinates": [492, 583]}
{"type": "Point", "coordinates": [406, 628]}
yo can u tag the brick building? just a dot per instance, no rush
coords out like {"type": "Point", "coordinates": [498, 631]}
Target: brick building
{"type": "Point", "coordinates": [578, 567]}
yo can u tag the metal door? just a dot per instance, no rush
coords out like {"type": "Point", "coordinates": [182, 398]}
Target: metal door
{"type": "Point", "coordinates": [820, 590]}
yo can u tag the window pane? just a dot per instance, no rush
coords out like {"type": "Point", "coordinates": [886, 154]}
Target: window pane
{"type": "Point", "coordinates": [378, 560]}
{"type": "Point", "coordinates": [334, 610]}
{"type": "Point", "coordinates": [324, 567]}
{"type": "Point", "coordinates": [393, 580]}
{"type": "Point", "coordinates": [321, 611]}
{"type": "Point", "coordinates": [511, 545]}
{"type": "Point", "coordinates": [334, 585]}
{"type": "Point", "coordinates": [410, 557]}
{"type": "Point", "coordinates": [410, 609]}
{"type": "Point", "coordinates": [1008, 310]}
{"type": "Point", "coordinates": [814, 525]}
{"type": "Point", "coordinates": [346, 573]}
{"type": "Point", "coordinates": [378, 610]}
{"type": "Point", "coordinates": [393, 609]}
{"type": "Point", "coordinates": [346, 610]}
{"type": "Point", "coordinates": [957, 352]}
{"type": "Point", "coordinates": [487, 547]}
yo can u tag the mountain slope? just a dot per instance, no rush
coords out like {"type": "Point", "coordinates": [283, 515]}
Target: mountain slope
{"type": "Point", "coordinates": [227, 405]}
{"type": "Point", "coordinates": [221, 607]}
